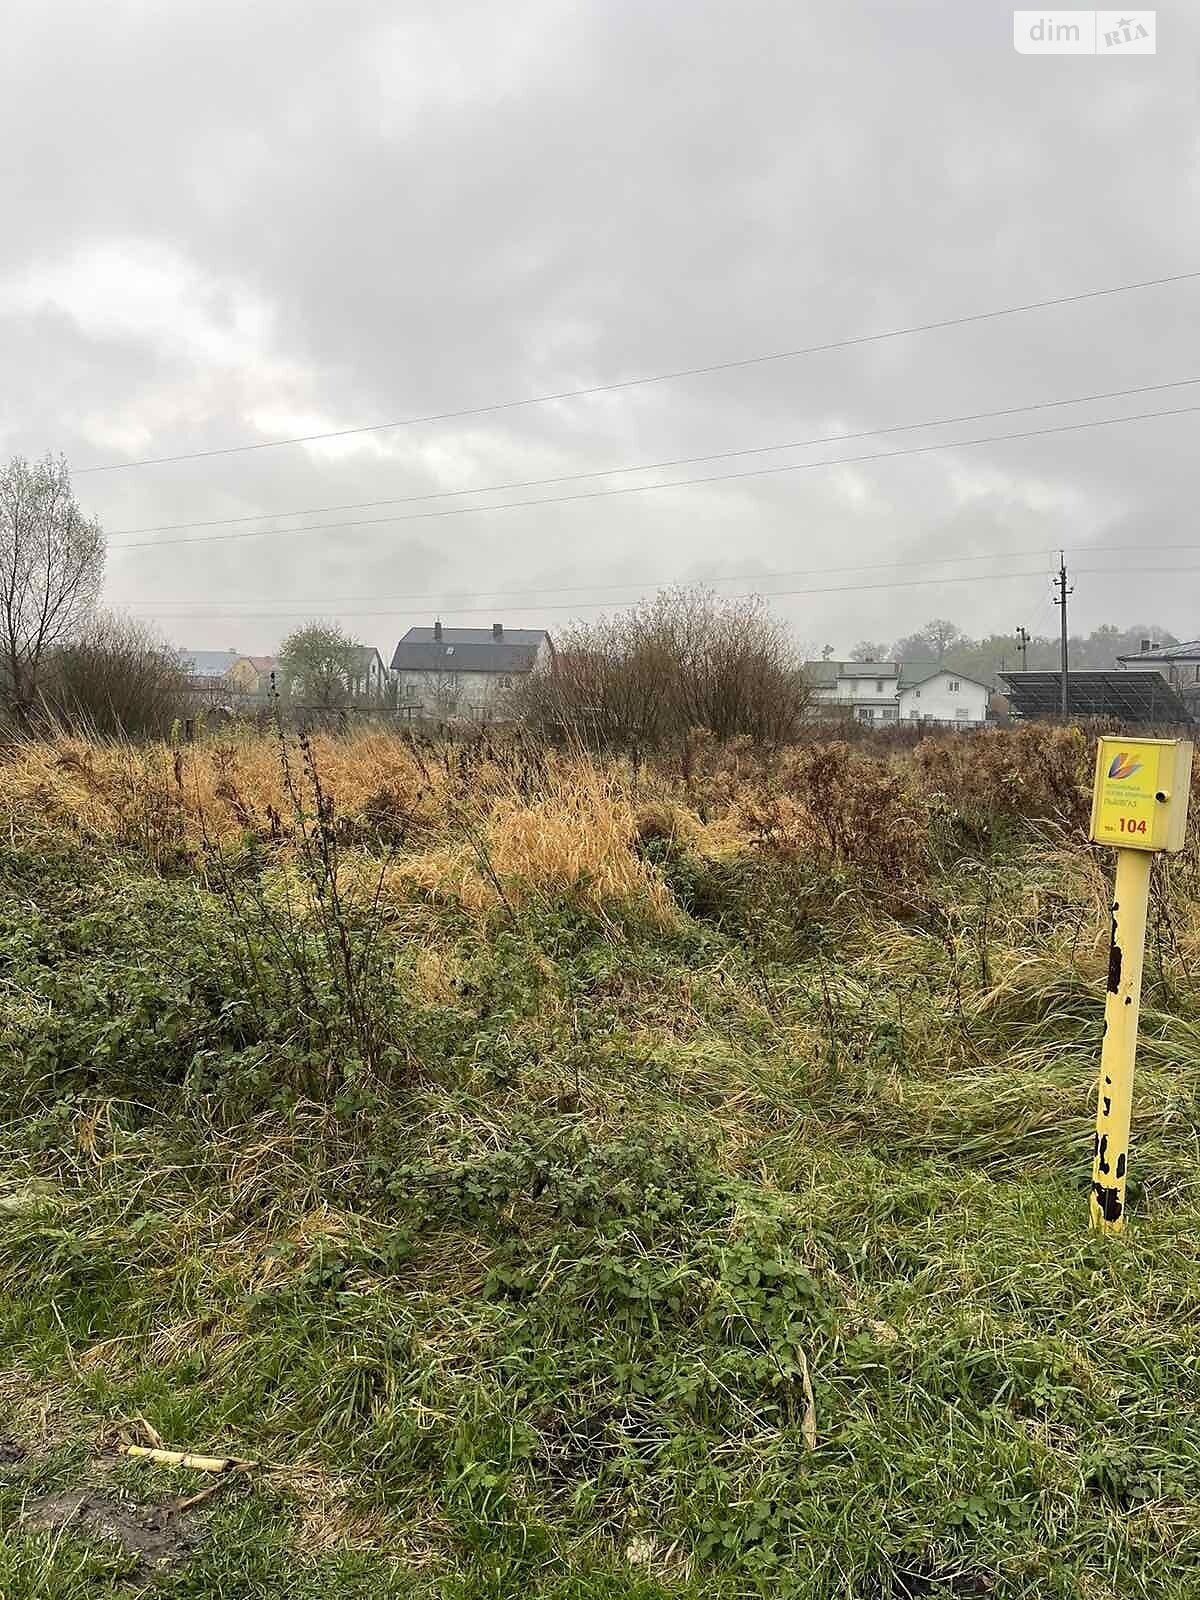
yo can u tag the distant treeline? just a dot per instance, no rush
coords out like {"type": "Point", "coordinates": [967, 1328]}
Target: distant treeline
{"type": "Point", "coordinates": [985, 658]}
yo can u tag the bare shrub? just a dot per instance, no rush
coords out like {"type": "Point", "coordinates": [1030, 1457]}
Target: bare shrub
{"type": "Point", "coordinates": [1036, 772]}
{"type": "Point", "coordinates": [118, 680]}
{"type": "Point", "coordinates": [688, 659]}
{"type": "Point", "coordinates": [845, 808]}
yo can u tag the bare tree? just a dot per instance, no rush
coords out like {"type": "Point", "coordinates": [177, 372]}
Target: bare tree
{"type": "Point", "coordinates": [51, 568]}
{"type": "Point", "coordinates": [930, 643]}
{"type": "Point", "coordinates": [869, 650]}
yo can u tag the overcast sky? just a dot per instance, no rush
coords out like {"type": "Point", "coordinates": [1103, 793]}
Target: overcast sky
{"type": "Point", "coordinates": [229, 223]}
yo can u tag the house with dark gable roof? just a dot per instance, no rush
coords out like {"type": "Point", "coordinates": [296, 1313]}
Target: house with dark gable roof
{"type": "Point", "coordinates": [466, 672]}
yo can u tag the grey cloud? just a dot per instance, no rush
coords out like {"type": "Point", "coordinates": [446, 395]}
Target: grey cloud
{"type": "Point", "coordinates": [462, 204]}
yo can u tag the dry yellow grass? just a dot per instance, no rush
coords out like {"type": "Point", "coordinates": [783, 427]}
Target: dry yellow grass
{"type": "Point", "coordinates": [577, 839]}
{"type": "Point", "coordinates": [490, 825]}
{"type": "Point", "coordinates": [481, 830]}
{"type": "Point", "coordinates": [217, 788]}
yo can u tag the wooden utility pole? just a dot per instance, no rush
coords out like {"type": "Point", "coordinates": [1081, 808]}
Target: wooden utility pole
{"type": "Point", "coordinates": [1023, 646]}
{"type": "Point", "coordinates": [1060, 600]}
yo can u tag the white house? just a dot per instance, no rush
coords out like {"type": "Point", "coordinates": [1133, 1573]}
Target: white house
{"type": "Point", "coordinates": [466, 672]}
{"type": "Point", "coordinates": [368, 678]}
{"type": "Point", "coordinates": [882, 692]}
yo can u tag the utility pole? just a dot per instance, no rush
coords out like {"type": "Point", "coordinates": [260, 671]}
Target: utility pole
{"type": "Point", "coordinates": [1060, 600]}
{"type": "Point", "coordinates": [1023, 646]}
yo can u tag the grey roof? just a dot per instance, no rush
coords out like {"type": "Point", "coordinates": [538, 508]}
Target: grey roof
{"type": "Point", "coordinates": [869, 669]}
{"type": "Point", "coordinates": [468, 650]}
{"type": "Point", "coordinates": [913, 673]}
{"type": "Point", "coordinates": [1166, 652]}
{"type": "Point", "coordinates": [209, 663]}
{"type": "Point", "coordinates": [363, 657]}
{"type": "Point", "coordinates": [825, 674]}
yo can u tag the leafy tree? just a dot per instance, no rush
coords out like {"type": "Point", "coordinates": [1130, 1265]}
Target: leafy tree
{"type": "Point", "coordinates": [316, 662]}
{"type": "Point", "coordinates": [51, 569]}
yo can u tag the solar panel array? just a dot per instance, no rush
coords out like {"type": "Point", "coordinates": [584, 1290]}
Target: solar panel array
{"type": "Point", "coordinates": [1139, 697]}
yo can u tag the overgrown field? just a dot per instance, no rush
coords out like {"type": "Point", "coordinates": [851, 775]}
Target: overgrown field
{"type": "Point", "coordinates": [577, 1181]}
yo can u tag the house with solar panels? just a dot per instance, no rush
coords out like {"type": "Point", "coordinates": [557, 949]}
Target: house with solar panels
{"type": "Point", "coordinates": [466, 674]}
{"type": "Point", "coordinates": [1179, 664]}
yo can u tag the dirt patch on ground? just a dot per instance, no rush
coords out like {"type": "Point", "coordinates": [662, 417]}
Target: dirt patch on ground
{"type": "Point", "coordinates": [154, 1534]}
{"type": "Point", "coordinates": [11, 1453]}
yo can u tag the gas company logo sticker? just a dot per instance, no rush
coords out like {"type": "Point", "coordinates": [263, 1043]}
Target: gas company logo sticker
{"type": "Point", "coordinates": [1124, 766]}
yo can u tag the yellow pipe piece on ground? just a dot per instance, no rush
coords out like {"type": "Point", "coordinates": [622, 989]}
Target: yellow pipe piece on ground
{"type": "Point", "coordinates": [182, 1458]}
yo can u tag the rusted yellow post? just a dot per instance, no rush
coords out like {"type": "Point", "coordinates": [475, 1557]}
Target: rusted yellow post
{"type": "Point", "coordinates": [1139, 805]}
{"type": "Point", "coordinates": [1114, 1107]}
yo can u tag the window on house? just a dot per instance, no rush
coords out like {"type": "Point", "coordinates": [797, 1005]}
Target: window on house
{"type": "Point", "coordinates": [961, 713]}
{"type": "Point", "coordinates": [878, 685]}
{"type": "Point", "coordinates": [954, 686]}
{"type": "Point", "coordinates": [916, 694]}
{"type": "Point", "coordinates": [505, 681]}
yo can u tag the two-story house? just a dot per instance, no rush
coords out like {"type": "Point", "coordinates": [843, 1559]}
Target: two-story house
{"type": "Point", "coordinates": [466, 672]}
{"type": "Point", "coordinates": [883, 692]}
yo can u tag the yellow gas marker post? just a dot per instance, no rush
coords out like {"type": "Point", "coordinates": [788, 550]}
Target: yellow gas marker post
{"type": "Point", "coordinates": [1139, 805]}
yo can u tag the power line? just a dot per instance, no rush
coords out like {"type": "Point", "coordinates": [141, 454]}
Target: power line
{"type": "Point", "coordinates": [536, 596]}
{"type": "Point", "coordinates": [640, 584]}
{"type": "Point", "coordinates": [649, 378]}
{"type": "Point", "coordinates": [653, 466]}
{"type": "Point", "coordinates": [776, 594]}
{"type": "Point", "coordinates": [674, 483]}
